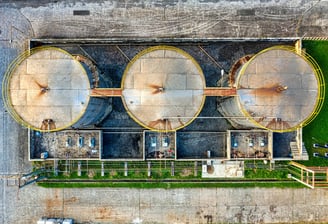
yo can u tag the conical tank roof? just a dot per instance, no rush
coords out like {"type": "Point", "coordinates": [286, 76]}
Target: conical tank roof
{"type": "Point", "coordinates": [48, 89]}
{"type": "Point", "coordinates": [163, 88]}
{"type": "Point", "coordinates": [278, 89]}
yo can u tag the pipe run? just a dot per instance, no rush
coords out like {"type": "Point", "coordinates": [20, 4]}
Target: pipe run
{"type": "Point", "coordinates": [117, 92]}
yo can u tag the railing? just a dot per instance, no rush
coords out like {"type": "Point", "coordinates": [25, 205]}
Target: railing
{"type": "Point", "coordinates": [123, 169]}
{"type": "Point", "coordinates": [313, 177]}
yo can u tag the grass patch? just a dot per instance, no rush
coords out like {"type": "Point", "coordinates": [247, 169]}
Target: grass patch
{"type": "Point", "coordinates": [116, 170]}
{"type": "Point", "coordinates": [257, 174]}
{"type": "Point", "coordinates": [264, 173]}
{"type": "Point", "coordinates": [149, 185]}
{"type": "Point", "coordinates": [259, 170]}
{"type": "Point", "coordinates": [315, 161]}
{"type": "Point", "coordinates": [317, 131]}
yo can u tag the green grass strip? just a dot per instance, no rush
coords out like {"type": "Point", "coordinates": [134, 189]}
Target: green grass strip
{"type": "Point", "coordinates": [173, 185]}
{"type": "Point", "coordinates": [317, 131]}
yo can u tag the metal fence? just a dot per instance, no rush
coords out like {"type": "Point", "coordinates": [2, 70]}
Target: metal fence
{"type": "Point", "coordinates": [161, 169]}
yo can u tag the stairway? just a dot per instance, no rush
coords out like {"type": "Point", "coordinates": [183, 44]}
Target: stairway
{"type": "Point", "coordinates": [295, 152]}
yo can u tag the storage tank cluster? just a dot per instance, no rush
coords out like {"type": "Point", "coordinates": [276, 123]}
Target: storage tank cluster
{"type": "Point", "coordinates": [162, 89]}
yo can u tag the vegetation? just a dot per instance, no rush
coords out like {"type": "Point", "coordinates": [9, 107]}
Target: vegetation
{"type": "Point", "coordinates": [290, 184]}
{"type": "Point", "coordinates": [265, 173]}
{"type": "Point", "coordinates": [259, 170]}
{"type": "Point", "coordinates": [317, 131]}
{"type": "Point", "coordinates": [257, 174]}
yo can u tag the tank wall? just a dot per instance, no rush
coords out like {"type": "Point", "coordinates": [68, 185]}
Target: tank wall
{"type": "Point", "coordinates": [229, 108]}
{"type": "Point", "coordinates": [96, 78]}
{"type": "Point", "coordinates": [98, 108]}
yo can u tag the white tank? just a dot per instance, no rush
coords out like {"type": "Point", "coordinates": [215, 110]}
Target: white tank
{"type": "Point", "coordinates": [163, 88]}
{"type": "Point", "coordinates": [47, 89]}
{"type": "Point", "coordinates": [277, 89]}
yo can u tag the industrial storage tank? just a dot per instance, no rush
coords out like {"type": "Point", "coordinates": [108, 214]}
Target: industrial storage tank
{"type": "Point", "coordinates": [278, 89]}
{"type": "Point", "coordinates": [47, 89]}
{"type": "Point", "coordinates": [163, 88]}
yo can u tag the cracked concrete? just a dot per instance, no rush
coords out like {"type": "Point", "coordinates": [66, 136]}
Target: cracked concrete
{"type": "Point", "coordinates": [193, 18]}
{"type": "Point", "coordinates": [201, 206]}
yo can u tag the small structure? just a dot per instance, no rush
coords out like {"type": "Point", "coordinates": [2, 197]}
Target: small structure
{"type": "Point", "coordinates": [245, 144]}
{"type": "Point", "coordinates": [222, 169]}
{"type": "Point", "coordinates": [159, 145]}
{"type": "Point", "coordinates": [65, 145]}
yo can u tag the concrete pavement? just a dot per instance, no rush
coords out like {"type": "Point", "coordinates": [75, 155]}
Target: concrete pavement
{"type": "Point", "coordinates": [201, 206]}
{"type": "Point", "coordinates": [171, 19]}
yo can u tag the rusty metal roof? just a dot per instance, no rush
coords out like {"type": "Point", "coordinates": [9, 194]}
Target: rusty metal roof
{"type": "Point", "coordinates": [278, 89]}
{"type": "Point", "coordinates": [163, 88]}
{"type": "Point", "coordinates": [49, 89]}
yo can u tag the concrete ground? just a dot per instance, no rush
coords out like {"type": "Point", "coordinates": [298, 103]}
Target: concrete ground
{"type": "Point", "coordinates": [22, 20]}
{"type": "Point", "coordinates": [171, 18]}
{"type": "Point", "coordinates": [201, 206]}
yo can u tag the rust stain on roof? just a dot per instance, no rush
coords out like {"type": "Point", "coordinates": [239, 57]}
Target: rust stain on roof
{"type": "Point", "coordinates": [220, 91]}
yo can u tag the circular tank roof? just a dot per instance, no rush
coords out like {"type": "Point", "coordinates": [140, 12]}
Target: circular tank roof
{"type": "Point", "coordinates": [48, 90]}
{"type": "Point", "coordinates": [163, 88]}
{"type": "Point", "coordinates": [278, 89]}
